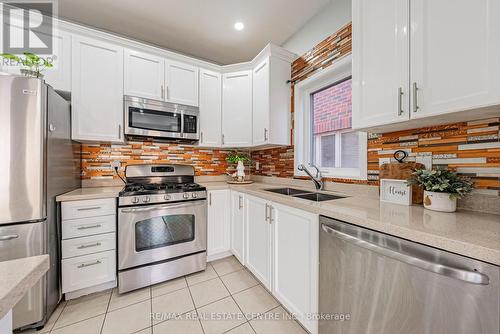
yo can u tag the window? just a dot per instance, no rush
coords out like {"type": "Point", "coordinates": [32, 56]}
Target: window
{"type": "Point", "coordinates": [323, 134]}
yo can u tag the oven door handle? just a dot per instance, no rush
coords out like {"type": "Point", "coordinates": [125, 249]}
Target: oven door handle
{"type": "Point", "coordinates": [160, 207]}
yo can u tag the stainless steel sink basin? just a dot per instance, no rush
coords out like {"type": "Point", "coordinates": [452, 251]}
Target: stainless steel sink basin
{"type": "Point", "coordinates": [288, 191]}
{"type": "Point", "coordinates": [318, 197]}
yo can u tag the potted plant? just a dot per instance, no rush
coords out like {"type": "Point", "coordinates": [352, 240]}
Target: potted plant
{"type": "Point", "coordinates": [239, 159]}
{"type": "Point", "coordinates": [33, 65]}
{"type": "Point", "coordinates": [441, 187]}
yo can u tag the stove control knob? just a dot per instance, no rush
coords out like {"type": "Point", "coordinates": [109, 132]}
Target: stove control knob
{"type": "Point", "coordinates": [167, 197]}
{"type": "Point", "coordinates": [194, 195]}
{"type": "Point", "coordinates": [185, 195]}
{"type": "Point", "coordinates": [135, 200]}
{"type": "Point", "coordinates": [146, 199]}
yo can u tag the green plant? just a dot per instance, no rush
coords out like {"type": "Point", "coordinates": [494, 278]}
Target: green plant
{"type": "Point", "coordinates": [34, 64]}
{"type": "Point", "coordinates": [235, 157]}
{"type": "Point", "coordinates": [442, 181]}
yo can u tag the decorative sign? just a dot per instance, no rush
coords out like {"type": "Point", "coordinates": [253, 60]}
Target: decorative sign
{"type": "Point", "coordinates": [395, 191]}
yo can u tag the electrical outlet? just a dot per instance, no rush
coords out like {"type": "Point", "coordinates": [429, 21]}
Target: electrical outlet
{"type": "Point", "coordinates": [257, 165]}
{"type": "Point", "coordinates": [116, 164]}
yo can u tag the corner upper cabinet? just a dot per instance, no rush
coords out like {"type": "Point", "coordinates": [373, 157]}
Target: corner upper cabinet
{"type": "Point", "coordinates": [237, 109]}
{"type": "Point", "coordinates": [144, 75]}
{"type": "Point", "coordinates": [210, 108]}
{"type": "Point", "coordinates": [380, 56]}
{"type": "Point", "coordinates": [454, 66]}
{"type": "Point", "coordinates": [181, 83]}
{"type": "Point", "coordinates": [271, 101]}
{"type": "Point", "coordinates": [97, 90]}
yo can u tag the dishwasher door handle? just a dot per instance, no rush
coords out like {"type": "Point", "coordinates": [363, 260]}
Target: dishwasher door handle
{"type": "Point", "coordinates": [472, 277]}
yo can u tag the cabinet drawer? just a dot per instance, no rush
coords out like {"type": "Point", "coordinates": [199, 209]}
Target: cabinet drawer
{"type": "Point", "coordinates": [88, 270]}
{"type": "Point", "coordinates": [88, 208]}
{"type": "Point", "coordinates": [88, 226]}
{"type": "Point", "coordinates": [88, 245]}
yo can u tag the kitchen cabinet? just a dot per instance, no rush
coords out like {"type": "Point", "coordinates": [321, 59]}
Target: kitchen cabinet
{"type": "Point", "coordinates": [258, 239]}
{"type": "Point", "coordinates": [181, 83]}
{"type": "Point", "coordinates": [97, 90]}
{"type": "Point", "coordinates": [237, 109]}
{"type": "Point", "coordinates": [271, 102]}
{"type": "Point", "coordinates": [238, 226]}
{"type": "Point", "coordinates": [296, 261]}
{"type": "Point", "coordinates": [410, 67]}
{"type": "Point", "coordinates": [218, 221]}
{"type": "Point", "coordinates": [144, 75]}
{"type": "Point", "coordinates": [210, 108]}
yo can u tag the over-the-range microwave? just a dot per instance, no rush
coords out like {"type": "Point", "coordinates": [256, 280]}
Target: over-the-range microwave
{"type": "Point", "coordinates": [159, 119]}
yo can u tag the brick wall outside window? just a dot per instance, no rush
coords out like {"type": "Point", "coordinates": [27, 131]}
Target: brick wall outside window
{"type": "Point", "coordinates": [332, 108]}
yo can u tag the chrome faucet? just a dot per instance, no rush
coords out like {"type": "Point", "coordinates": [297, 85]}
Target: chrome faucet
{"type": "Point", "coordinates": [318, 179]}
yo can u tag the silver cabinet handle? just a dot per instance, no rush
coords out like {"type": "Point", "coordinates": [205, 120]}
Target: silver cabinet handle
{"type": "Point", "coordinates": [240, 202]}
{"type": "Point", "coordinates": [210, 199]}
{"type": "Point", "coordinates": [271, 209]}
{"type": "Point", "coordinates": [400, 101]}
{"type": "Point", "coordinates": [83, 265]}
{"type": "Point", "coordinates": [415, 97]}
{"type": "Point", "coordinates": [86, 227]}
{"type": "Point", "coordinates": [97, 244]}
{"type": "Point", "coordinates": [162, 92]}
{"type": "Point", "coordinates": [119, 131]}
{"type": "Point", "coordinates": [266, 134]}
{"type": "Point", "coordinates": [223, 141]}
{"type": "Point", "coordinates": [166, 93]}
{"type": "Point", "coordinates": [89, 208]}
{"type": "Point", "coordinates": [267, 212]}
{"type": "Point", "coordinates": [201, 137]}
{"type": "Point", "coordinates": [472, 277]}
{"type": "Point", "coordinates": [8, 237]}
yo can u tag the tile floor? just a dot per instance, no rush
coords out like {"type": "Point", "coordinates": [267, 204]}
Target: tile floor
{"type": "Point", "coordinates": [225, 298]}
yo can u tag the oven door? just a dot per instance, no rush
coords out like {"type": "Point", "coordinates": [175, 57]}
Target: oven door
{"type": "Point", "coordinates": [153, 233]}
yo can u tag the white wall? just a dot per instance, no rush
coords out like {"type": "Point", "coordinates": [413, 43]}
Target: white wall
{"type": "Point", "coordinates": [326, 22]}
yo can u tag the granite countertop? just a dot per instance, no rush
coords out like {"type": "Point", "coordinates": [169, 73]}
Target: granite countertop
{"type": "Point", "coordinates": [472, 234]}
{"type": "Point", "coordinates": [17, 277]}
{"type": "Point", "coordinates": [89, 193]}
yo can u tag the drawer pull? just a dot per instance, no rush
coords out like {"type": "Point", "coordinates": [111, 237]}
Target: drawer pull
{"type": "Point", "coordinates": [86, 227]}
{"type": "Point", "coordinates": [83, 265]}
{"type": "Point", "coordinates": [89, 208]}
{"type": "Point", "coordinates": [97, 244]}
{"type": "Point", "coordinates": [8, 237]}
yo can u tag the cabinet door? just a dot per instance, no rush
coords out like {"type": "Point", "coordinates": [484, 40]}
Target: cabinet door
{"type": "Point", "coordinates": [238, 225]}
{"type": "Point", "coordinates": [295, 261]}
{"type": "Point", "coordinates": [455, 65]}
{"type": "Point", "coordinates": [258, 239]}
{"type": "Point", "coordinates": [210, 108]}
{"type": "Point", "coordinates": [144, 75]}
{"type": "Point", "coordinates": [261, 102]}
{"type": "Point", "coordinates": [59, 76]}
{"type": "Point", "coordinates": [97, 90]}
{"type": "Point", "coordinates": [237, 109]}
{"type": "Point", "coordinates": [380, 81]}
{"type": "Point", "coordinates": [181, 83]}
{"type": "Point", "coordinates": [218, 230]}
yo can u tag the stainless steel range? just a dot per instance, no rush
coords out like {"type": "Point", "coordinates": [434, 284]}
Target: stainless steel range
{"type": "Point", "coordinates": [162, 225]}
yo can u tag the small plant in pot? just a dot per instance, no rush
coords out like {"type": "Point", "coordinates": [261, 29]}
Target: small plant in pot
{"type": "Point", "coordinates": [441, 187]}
{"type": "Point", "coordinates": [238, 159]}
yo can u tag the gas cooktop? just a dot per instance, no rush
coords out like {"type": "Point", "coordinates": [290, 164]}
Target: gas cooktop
{"type": "Point", "coordinates": [137, 189]}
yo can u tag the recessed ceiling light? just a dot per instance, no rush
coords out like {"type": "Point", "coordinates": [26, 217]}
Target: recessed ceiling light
{"type": "Point", "coordinates": [239, 26]}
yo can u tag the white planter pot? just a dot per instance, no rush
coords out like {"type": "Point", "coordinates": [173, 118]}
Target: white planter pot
{"type": "Point", "coordinates": [439, 201]}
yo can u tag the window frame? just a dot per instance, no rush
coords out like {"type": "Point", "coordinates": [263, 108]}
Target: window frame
{"type": "Point", "coordinates": [303, 138]}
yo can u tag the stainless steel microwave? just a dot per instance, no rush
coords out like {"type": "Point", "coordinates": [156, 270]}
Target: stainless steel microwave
{"type": "Point", "coordinates": [159, 119]}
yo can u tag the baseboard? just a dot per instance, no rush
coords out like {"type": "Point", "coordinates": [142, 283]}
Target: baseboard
{"type": "Point", "coordinates": [89, 290]}
{"type": "Point", "coordinates": [218, 256]}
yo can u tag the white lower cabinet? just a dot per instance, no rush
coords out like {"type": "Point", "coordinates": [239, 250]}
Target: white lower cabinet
{"type": "Point", "coordinates": [238, 226]}
{"type": "Point", "coordinates": [296, 262]}
{"type": "Point", "coordinates": [218, 229]}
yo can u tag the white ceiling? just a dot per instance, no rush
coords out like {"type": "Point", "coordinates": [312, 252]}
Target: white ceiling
{"type": "Point", "coordinates": [201, 28]}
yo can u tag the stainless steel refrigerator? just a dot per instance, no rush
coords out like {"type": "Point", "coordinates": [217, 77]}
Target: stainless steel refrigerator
{"type": "Point", "coordinates": [38, 161]}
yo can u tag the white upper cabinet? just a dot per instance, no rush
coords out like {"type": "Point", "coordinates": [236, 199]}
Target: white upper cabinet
{"type": "Point", "coordinates": [453, 67]}
{"type": "Point", "coordinates": [144, 75]}
{"type": "Point", "coordinates": [455, 55]}
{"type": "Point", "coordinates": [237, 109]}
{"type": "Point", "coordinates": [59, 76]}
{"type": "Point", "coordinates": [210, 108]}
{"type": "Point", "coordinates": [182, 83]}
{"type": "Point", "coordinates": [380, 79]}
{"type": "Point", "coordinates": [271, 102]}
{"type": "Point", "coordinates": [97, 90]}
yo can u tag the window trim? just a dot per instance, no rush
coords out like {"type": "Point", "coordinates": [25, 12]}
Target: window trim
{"type": "Point", "coordinates": [303, 91]}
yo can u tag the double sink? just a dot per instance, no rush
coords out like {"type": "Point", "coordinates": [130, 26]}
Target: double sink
{"type": "Point", "coordinates": [311, 196]}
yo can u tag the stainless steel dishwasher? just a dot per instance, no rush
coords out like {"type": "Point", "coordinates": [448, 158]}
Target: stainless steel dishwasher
{"type": "Point", "coordinates": [373, 283]}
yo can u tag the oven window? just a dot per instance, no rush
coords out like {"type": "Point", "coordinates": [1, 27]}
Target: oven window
{"type": "Point", "coordinates": [154, 120]}
{"type": "Point", "coordinates": [163, 231]}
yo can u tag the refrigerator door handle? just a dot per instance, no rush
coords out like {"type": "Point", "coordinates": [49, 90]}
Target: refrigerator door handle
{"type": "Point", "coordinates": [472, 277]}
{"type": "Point", "coordinates": [8, 237]}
